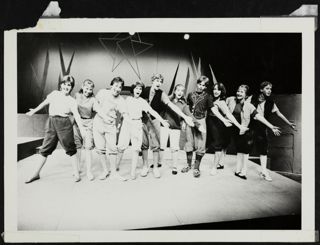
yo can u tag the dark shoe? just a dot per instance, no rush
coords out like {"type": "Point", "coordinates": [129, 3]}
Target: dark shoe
{"type": "Point", "coordinates": [220, 166]}
{"type": "Point", "coordinates": [240, 176]}
{"type": "Point", "coordinates": [159, 165]}
{"type": "Point", "coordinates": [196, 173]}
{"type": "Point", "coordinates": [185, 169]}
{"type": "Point", "coordinates": [174, 171]}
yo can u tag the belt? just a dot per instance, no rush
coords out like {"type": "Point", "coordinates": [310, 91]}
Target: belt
{"type": "Point", "coordinates": [56, 116]}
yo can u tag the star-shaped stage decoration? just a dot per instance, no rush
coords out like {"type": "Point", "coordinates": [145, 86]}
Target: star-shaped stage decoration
{"type": "Point", "coordinates": [125, 47]}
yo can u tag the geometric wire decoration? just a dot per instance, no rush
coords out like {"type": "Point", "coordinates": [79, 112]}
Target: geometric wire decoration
{"type": "Point", "coordinates": [126, 47]}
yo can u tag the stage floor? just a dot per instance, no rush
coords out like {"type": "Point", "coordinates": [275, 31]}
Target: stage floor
{"type": "Point", "coordinates": [56, 203]}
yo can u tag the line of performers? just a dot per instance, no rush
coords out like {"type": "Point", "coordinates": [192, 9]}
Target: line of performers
{"type": "Point", "coordinates": [149, 119]}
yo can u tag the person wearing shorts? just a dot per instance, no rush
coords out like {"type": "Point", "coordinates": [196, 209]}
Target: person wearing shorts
{"type": "Point", "coordinates": [109, 102]}
{"type": "Point", "coordinates": [86, 106]}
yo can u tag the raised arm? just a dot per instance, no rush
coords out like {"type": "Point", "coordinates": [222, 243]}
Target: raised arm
{"type": "Point", "coordinates": [38, 108]}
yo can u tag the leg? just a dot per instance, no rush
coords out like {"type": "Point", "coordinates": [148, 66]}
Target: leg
{"type": "Point", "coordinates": [216, 160]}
{"type": "Point", "coordinates": [105, 169]}
{"type": "Point", "coordinates": [261, 142]}
{"type": "Point", "coordinates": [145, 168]}
{"type": "Point", "coordinates": [174, 145]}
{"type": "Point", "coordinates": [144, 148]}
{"type": "Point", "coordinates": [100, 146]}
{"type": "Point", "coordinates": [135, 156]}
{"type": "Point", "coordinates": [136, 141]}
{"type": "Point", "coordinates": [240, 166]}
{"type": "Point", "coordinates": [50, 142]}
{"type": "Point", "coordinates": [189, 162]}
{"type": "Point", "coordinates": [123, 141]}
{"type": "Point", "coordinates": [74, 161]}
{"type": "Point", "coordinates": [154, 137]}
{"type": "Point", "coordinates": [264, 172]}
{"type": "Point", "coordinates": [89, 145]}
{"type": "Point", "coordinates": [244, 165]}
{"type": "Point", "coordinates": [78, 140]}
{"type": "Point", "coordinates": [66, 138]}
{"type": "Point", "coordinates": [114, 174]}
{"type": "Point", "coordinates": [36, 173]}
{"type": "Point", "coordinates": [156, 157]}
{"type": "Point", "coordinates": [78, 155]}
{"type": "Point", "coordinates": [111, 149]}
{"type": "Point", "coordinates": [88, 165]}
{"type": "Point", "coordinates": [239, 162]}
{"type": "Point", "coordinates": [188, 148]}
{"type": "Point", "coordinates": [164, 135]}
{"type": "Point", "coordinates": [200, 145]}
{"type": "Point", "coordinates": [221, 160]}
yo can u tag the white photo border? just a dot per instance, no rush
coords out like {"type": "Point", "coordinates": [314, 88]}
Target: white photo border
{"type": "Point", "coordinates": [303, 25]}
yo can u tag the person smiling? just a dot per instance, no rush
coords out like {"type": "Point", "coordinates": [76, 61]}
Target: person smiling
{"type": "Point", "coordinates": [219, 128]}
{"type": "Point", "coordinates": [175, 125]}
{"type": "Point", "coordinates": [265, 106]}
{"type": "Point", "coordinates": [109, 102]}
{"type": "Point", "coordinates": [243, 111]}
{"type": "Point", "coordinates": [158, 100]}
{"type": "Point", "coordinates": [86, 107]}
{"type": "Point", "coordinates": [131, 128]}
{"type": "Point", "coordinates": [59, 127]}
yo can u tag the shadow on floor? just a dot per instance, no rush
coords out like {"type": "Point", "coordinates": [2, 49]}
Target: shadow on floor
{"type": "Point", "coordinates": [287, 222]}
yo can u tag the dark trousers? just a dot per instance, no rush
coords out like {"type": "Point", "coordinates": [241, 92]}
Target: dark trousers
{"type": "Point", "coordinates": [58, 129]}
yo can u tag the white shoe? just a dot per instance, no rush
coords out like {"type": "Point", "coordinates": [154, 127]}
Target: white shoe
{"type": "Point", "coordinates": [156, 173]}
{"type": "Point", "coordinates": [133, 176]}
{"type": "Point", "coordinates": [144, 171]}
{"type": "Point", "coordinates": [76, 177]}
{"type": "Point", "coordinates": [117, 176]}
{"type": "Point", "coordinates": [103, 175]}
{"type": "Point", "coordinates": [265, 176]}
{"type": "Point", "coordinates": [90, 176]}
{"type": "Point", "coordinates": [213, 171]}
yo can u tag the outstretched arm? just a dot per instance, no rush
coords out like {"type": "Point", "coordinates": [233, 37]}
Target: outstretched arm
{"type": "Point", "coordinates": [291, 124]}
{"type": "Point", "coordinates": [177, 110]}
{"type": "Point", "coordinates": [38, 108]}
{"type": "Point", "coordinates": [157, 116]}
{"type": "Point", "coordinates": [216, 112]}
{"type": "Point", "coordinates": [276, 131]}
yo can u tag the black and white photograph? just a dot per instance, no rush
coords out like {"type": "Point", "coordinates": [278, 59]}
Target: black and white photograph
{"type": "Point", "coordinates": [143, 129]}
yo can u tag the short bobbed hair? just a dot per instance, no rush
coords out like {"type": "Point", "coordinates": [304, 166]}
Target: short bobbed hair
{"type": "Point", "coordinates": [117, 80]}
{"type": "Point", "coordinates": [137, 84]}
{"type": "Point", "coordinates": [67, 79]}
